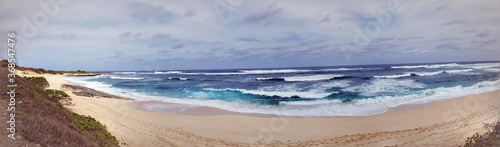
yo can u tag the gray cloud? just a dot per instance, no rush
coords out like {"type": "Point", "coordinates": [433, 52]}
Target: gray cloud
{"type": "Point", "coordinates": [190, 13]}
{"type": "Point", "coordinates": [117, 54]}
{"type": "Point", "coordinates": [249, 38]}
{"type": "Point", "coordinates": [279, 47]}
{"type": "Point", "coordinates": [257, 29]}
{"type": "Point", "coordinates": [442, 7]}
{"type": "Point", "coordinates": [312, 42]}
{"type": "Point", "coordinates": [129, 35]}
{"type": "Point", "coordinates": [160, 36]}
{"type": "Point", "coordinates": [383, 39]}
{"type": "Point", "coordinates": [160, 39]}
{"type": "Point", "coordinates": [163, 51]}
{"type": "Point", "coordinates": [326, 19]}
{"type": "Point", "coordinates": [469, 31]}
{"type": "Point", "coordinates": [151, 13]}
{"type": "Point", "coordinates": [263, 16]}
{"type": "Point", "coordinates": [137, 35]}
{"type": "Point", "coordinates": [484, 33]}
{"type": "Point", "coordinates": [178, 46]}
{"type": "Point", "coordinates": [125, 35]}
{"type": "Point", "coordinates": [67, 36]}
{"type": "Point", "coordinates": [455, 22]}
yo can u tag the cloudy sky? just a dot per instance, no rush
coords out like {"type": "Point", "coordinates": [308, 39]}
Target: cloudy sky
{"type": "Point", "coordinates": [98, 35]}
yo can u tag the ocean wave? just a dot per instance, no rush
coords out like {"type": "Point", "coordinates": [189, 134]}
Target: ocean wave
{"type": "Point", "coordinates": [428, 73]}
{"type": "Point", "coordinates": [257, 71]}
{"type": "Point", "coordinates": [377, 86]}
{"type": "Point", "coordinates": [331, 84]}
{"type": "Point", "coordinates": [270, 79]}
{"type": "Point", "coordinates": [272, 71]}
{"type": "Point", "coordinates": [294, 70]}
{"type": "Point", "coordinates": [169, 72]}
{"type": "Point", "coordinates": [381, 104]}
{"type": "Point", "coordinates": [344, 69]}
{"type": "Point", "coordinates": [428, 66]}
{"type": "Point", "coordinates": [314, 107]}
{"type": "Point", "coordinates": [311, 78]}
{"type": "Point", "coordinates": [394, 76]}
{"type": "Point", "coordinates": [482, 65]}
{"type": "Point", "coordinates": [174, 78]}
{"type": "Point", "coordinates": [126, 78]}
{"type": "Point", "coordinates": [492, 69]}
{"type": "Point", "coordinates": [412, 66]}
{"type": "Point", "coordinates": [458, 71]}
{"type": "Point", "coordinates": [125, 73]}
{"type": "Point", "coordinates": [301, 78]}
{"type": "Point", "coordinates": [284, 91]}
{"type": "Point", "coordinates": [317, 90]}
{"type": "Point", "coordinates": [408, 74]}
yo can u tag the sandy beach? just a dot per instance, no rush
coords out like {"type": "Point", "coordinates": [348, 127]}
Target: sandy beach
{"type": "Point", "coordinates": [447, 123]}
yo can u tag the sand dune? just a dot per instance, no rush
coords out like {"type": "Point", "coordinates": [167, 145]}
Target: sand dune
{"type": "Point", "coordinates": [446, 123]}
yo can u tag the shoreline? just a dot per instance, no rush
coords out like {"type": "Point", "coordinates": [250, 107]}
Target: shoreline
{"type": "Point", "coordinates": [440, 123]}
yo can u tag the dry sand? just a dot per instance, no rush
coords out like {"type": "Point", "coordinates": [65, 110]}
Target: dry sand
{"type": "Point", "coordinates": [446, 123]}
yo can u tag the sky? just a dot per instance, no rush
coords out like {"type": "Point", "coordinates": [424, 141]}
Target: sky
{"type": "Point", "coordinates": [126, 35]}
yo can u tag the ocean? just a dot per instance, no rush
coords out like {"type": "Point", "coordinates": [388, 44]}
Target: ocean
{"type": "Point", "coordinates": [306, 91]}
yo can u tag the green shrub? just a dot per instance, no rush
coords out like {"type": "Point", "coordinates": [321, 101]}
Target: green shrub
{"type": "Point", "coordinates": [40, 82]}
{"type": "Point", "coordinates": [94, 127]}
{"type": "Point", "coordinates": [491, 138]}
{"type": "Point", "coordinates": [54, 95]}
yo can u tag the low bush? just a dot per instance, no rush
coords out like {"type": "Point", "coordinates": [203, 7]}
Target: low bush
{"type": "Point", "coordinates": [491, 138]}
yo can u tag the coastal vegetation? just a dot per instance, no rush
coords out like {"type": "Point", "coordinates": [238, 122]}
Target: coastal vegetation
{"type": "Point", "coordinates": [490, 138]}
{"type": "Point", "coordinates": [42, 71]}
{"type": "Point", "coordinates": [41, 118]}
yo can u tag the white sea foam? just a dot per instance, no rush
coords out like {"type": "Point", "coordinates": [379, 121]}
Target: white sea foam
{"type": "Point", "coordinates": [474, 66]}
{"type": "Point", "coordinates": [330, 84]}
{"type": "Point", "coordinates": [458, 70]}
{"type": "Point", "coordinates": [384, 85]}
{"type": "Point", "coordinates": [444, 65]}
{"type": "Point", "coordinates": [319, 107]}
{"type": "Point", "coordinates": [126, 78]}
{"type": "Point", "coordinates": [124, 73]}
{"type": "Point", "coordinates": [267, 79]}
{"type": "Point", "coordinates": [168, 72]}
{"type": "Point", "coordinates": [492, 69]}
{"type": "Point", "coordinates": [340, 69]}
{"type": "Point", "coordinates": [281, 91]}
{"type": "Point", "coordinates": [257, 71]}
{"type": "Point", "coordinates": [293, 70]}
{"type": "Point", "coordinates": [482, 65]}
{"type": "Point", "coordinates": [380, 104]}
{"type": "Point", "coordinates": [311, 78]}
{"type": "Point", "coordinates": [182, 79]}
{"type": "Point", "coordinates": [272, 71]}
{"type": "Point", "coordinates": [425, 73]}
{"type": "Point", "coordinates": [413, 66]}
{"type": "Point", "coordinates": [428, 73]}
{"type": "Point", "coordinates": [394, 76]}
{"type": "Point", "coordinates": [428, 66]}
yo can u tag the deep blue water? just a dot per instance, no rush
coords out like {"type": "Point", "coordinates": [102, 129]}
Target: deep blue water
{"type": "Point", "coordinates": [314, 91]}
